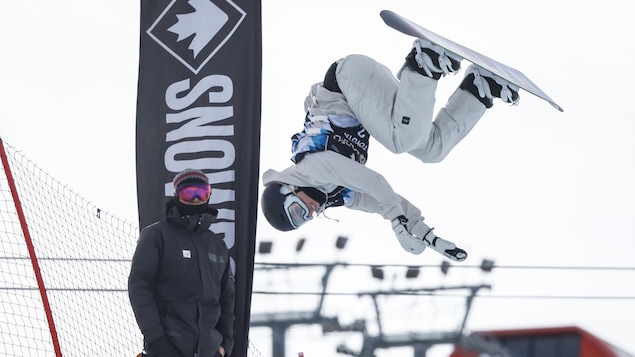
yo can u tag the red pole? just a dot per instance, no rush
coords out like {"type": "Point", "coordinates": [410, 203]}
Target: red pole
{"type": "Point", "coordinates": [29, 244]}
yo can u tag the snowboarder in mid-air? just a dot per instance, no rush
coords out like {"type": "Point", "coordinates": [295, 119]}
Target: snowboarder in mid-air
{"type": "Point", "coordinates": [358, 98]}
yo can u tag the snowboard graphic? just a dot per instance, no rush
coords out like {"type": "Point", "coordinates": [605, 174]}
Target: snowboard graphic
{"type": "Point", "coordinates": [510, 74]}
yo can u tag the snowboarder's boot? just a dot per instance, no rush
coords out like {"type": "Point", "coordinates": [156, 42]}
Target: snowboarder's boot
{"type": "Point", "coordinates": [486, 86]}
{"type": "Point", "coordinates": [431, 60]}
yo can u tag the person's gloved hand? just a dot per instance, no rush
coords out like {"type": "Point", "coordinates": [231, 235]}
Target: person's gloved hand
{"type": "Point", "coordinates": [409, 243]}
{"type": "Point", "coordinates": [448, 249]}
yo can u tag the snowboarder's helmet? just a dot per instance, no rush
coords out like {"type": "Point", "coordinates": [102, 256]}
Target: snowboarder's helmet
{"type": "Point", "coordinates": [282, 208]}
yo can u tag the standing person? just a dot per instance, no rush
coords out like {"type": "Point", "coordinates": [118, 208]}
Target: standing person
{"type": "Point", "coordinates": [359, 98]}
{"type": "Point", "coordinates": [180, 286]}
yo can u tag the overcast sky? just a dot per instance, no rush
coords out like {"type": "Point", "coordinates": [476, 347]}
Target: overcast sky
{"type": "Point", "coordinates": [530, 186]}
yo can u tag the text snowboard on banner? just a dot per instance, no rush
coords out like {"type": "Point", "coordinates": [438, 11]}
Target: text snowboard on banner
{"type": "Point", "coordinates": [198, 106]}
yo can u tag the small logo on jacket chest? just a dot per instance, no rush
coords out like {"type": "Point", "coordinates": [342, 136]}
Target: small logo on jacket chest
{"type": "Point", "coordinates": [187, 254]}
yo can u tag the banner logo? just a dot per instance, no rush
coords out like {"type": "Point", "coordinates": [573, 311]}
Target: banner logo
{"type": "Point", "coordinates": [193, 31]}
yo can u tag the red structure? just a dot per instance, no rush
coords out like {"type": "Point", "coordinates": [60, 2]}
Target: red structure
{"type": "Point", "coordinates": [538, 342]}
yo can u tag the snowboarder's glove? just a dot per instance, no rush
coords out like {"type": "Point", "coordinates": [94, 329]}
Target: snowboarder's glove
{"type": "Point", "coordinates": [410, 243]}
{"type": "Point", "coordinates": [446, 248]}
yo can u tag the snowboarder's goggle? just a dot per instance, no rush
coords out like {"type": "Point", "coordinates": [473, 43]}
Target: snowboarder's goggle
{"type": "Point", "coordinates": [296, 210]}
{"type": "Point", "coordinates": [191, 192]}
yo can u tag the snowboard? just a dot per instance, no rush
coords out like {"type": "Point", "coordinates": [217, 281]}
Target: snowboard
{"type": "Point", "coordinates": [508, 73]}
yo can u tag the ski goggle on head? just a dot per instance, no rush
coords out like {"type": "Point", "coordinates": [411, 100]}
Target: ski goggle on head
{"type": "Point", "coordinates": [191, 192]}
{"type": "Point", "coordinates": [296, 210]}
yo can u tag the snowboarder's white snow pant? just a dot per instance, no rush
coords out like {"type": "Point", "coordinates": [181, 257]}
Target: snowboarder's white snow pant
{"type": "Point", "coordinates": [399, 113]}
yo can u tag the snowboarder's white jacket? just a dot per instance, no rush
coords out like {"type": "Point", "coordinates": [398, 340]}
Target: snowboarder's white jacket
{"type": "Point", "coordinates": [327, 171]}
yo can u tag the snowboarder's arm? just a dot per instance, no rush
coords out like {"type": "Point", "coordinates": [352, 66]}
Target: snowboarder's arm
{"type": "Point", "coordinates": [372, 192]}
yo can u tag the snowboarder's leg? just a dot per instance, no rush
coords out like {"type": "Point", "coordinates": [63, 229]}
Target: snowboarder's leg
{"type": "Point", "coordinates": [370, 90]}
{"type": "Point", "coordinates": [397, 114]}
{"type": "Point", "coordinates": [451, 124]}
{"type": "Point", "coordinates": [463, 110]}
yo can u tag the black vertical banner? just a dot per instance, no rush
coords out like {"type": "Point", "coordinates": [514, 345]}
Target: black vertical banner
{"type": "Point", "coordinates": [198, 106]}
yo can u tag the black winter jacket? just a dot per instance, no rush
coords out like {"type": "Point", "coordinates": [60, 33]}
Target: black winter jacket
{"type": "Point", "coordinates": [181, 286]}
